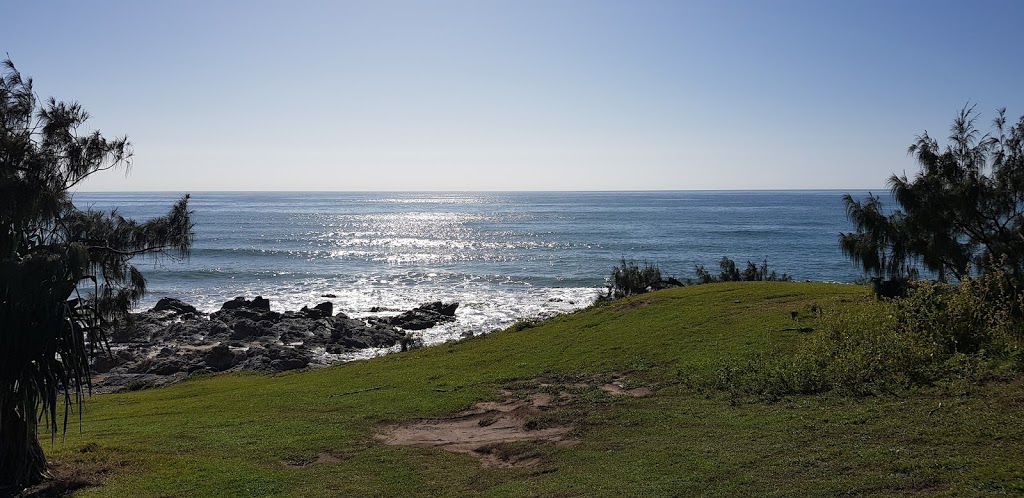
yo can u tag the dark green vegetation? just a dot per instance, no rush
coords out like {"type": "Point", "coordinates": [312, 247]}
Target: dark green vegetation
{"type": "Point", "coordinates": [64, 273]}
{"type": "Point", "coordinates": [965, 334]}
{"type": "Point", "coordinates": [312, 434]}
{"type": "Point", "coordinates": [730, 273]}
{"type": "Point", "coordinates": [629, 278]}
{"type": "Point", "coordinates": [963, 211]}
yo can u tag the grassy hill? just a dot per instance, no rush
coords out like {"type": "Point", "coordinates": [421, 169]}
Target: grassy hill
{"type": "Point", "coordinates": [317, 433]}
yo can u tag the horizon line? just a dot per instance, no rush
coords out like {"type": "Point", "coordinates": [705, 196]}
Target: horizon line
{"type": "Point", "coordinates": [483, 191]}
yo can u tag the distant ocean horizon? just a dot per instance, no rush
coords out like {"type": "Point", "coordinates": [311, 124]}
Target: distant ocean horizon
{"type": "Point", "coordinates": [505, 256]}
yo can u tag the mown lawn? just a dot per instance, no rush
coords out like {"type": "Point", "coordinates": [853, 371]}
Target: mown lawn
{"type": "Point", "coordinates": [257, 435]}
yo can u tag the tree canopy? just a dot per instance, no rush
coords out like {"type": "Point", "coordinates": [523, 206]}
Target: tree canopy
{"type": "Point", "coordinates": [962, 212]}
{"type": "Point", "coordinates": [65, 273]}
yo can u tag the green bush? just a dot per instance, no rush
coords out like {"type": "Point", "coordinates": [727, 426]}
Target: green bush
{"type": "Point", "coordinates": [629, 278]}
{"type": "Point", "coordinates": [938, 333]}
{"type": "Point", "coordinates": [730, 273]}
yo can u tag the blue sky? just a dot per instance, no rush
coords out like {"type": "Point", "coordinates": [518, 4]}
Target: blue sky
{"type": "Point", "coordinates": [518, 95]}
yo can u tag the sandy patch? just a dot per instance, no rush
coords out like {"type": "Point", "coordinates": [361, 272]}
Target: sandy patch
{"type": "Point", "coordinates": [617, 389]}
{"type": "Point", "coordinates": [485, 431]}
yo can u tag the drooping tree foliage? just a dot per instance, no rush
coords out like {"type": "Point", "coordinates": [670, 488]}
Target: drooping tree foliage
{"type": "Point", "coordinates": [65, 273]}
{"type": "Point", "coordinates": [962, 212]}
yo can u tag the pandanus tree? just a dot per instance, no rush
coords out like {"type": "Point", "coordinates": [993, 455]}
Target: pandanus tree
{"type": "Point", "coordinates": [962, 212]}
{"type": "Point", "coordinates": [66, 274]}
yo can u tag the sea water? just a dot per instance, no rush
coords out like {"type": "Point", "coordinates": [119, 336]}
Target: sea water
{"type": "Point", "coordinates": [504, 256]}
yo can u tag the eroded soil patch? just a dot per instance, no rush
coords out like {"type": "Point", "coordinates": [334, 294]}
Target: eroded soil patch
{"type": "Point", "coordinates": [506, 433]}
{"type": "Point", "coordinates": [303, 462]}
{"type": "Point", "coordinates": [482, 430]}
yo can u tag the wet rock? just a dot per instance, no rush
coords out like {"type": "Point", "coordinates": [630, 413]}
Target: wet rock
{"type": "Point", "coordinates": [258, 303]}
{"type": "Point", "coordinates": [322, 310]}
{"type": "Point", "coordinates": [244, 329]}
{"type": "Point", "coordinates": [171, 304]}
{"type": "Point", "coordinates": [254, 314]}
{"type": "Point", "coordinates": [166, 366]}
{"type": "Point", "coordinates": [276, 358]}
{"type": "Point", "coordinates": [218, 329]}
{"type": "Point", "coordinates": [104, 362]}
{"type": "Point", "coordinates": [425, 316]}
{"type": "Point", "coordinates": [221, 358]}
{"type": "Point", "coordinates": [174, 338]}
{"type": "Point", "coordinates": [326, 307]}
{"type": "Point", "coordinates": [440, 308]}
{"type": "Point", "coordinates": [354, 334]}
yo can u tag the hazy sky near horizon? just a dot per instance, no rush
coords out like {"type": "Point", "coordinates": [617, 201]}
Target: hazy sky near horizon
{"type": "Point", "coordinates": [518, 95]}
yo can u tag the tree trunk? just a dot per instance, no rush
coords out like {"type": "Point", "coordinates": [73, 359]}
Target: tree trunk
{"type": "Point", "coordinates": [22, 462]}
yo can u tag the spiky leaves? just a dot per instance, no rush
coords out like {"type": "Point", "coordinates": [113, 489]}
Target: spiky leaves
{"type": "Point", "coordinates": [65, 274]}
{"type": "Point", "coordinates": [964, 209]}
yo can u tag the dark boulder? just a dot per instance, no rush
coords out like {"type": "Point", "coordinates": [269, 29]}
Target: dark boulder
{"type": "Point", "coordinates": [424, 316]}
{"type": "Point", "coordinates": [354, 334]}
{"type": "Point", "coordinates": [243, 329]}
{"type": "Point", "coordinates": [258, 303]}
{"type": "Point", "coordinates": [253, 314]}
{"type": "Point", "coordinates": [175, 305]}
{"type": "Point", "coordinates": [439, 308]}
{"type": "Point", "coordinates": [238, 302]}
{"type": "Point", "coordinates": [325, 307]}
{"type": "Point", "coordinates": [322, 310]}
{"type": "Point", "coordinates": [276, 358]}
{"type": "Point", "coordinates": [166, 366]}
{"type": "Point", "coordinates": [220, 358]}
{"type": "Point", "coordinates": [104, 362]}
{"type": "Point", "coordinates": [218, 329]}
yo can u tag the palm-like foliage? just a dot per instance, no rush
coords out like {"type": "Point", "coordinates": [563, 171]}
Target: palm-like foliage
{"type": "Point", "coordinates": [65, 274]}
{"type": "Point", "coordinates": [964, 209]}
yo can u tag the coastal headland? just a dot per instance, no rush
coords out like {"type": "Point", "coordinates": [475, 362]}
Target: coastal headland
{"type": "Point", "coordinates": [606, 401]}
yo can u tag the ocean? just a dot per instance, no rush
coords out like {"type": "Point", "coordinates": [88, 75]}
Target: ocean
{"type": "Point", "coordinates": [504, 256]}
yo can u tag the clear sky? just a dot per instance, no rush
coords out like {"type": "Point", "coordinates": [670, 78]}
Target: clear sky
{"type": "Point", "coordinates": [518, 95]}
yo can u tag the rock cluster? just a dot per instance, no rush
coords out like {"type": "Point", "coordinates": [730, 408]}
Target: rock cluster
{"type": "Point", "coordinates": [174, 339]}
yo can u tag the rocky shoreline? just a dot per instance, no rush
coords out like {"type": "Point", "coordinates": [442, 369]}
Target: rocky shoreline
{"type": "Point", "coordinates": [174, 340]}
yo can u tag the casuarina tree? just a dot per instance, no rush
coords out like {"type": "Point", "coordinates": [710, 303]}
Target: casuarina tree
{"type": "Point", "coordinates": [66, 274]}
{"type": "Point", "coordinates": [962, 212]}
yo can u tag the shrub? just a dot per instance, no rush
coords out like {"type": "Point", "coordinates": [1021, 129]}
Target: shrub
{"type": "Point", "coordinates": [730, 273]}
{"type": "Point", "coordinates": [938, 333]}
{"type": "Point", "coordinates": [629, 278]}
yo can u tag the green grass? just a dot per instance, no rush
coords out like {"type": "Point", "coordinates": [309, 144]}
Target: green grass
{"type": "Point", "coordinates": [248, 434]}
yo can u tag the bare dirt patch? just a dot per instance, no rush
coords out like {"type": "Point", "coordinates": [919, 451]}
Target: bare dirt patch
{"type": "Point", "coordinates": [618, 389]}
{"type": "Point", "coordinates": [303, 462]}
{"type": "Point", "coordinates": [512, 432]}
{"type": "Point", "coordinates": [493, 432]}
